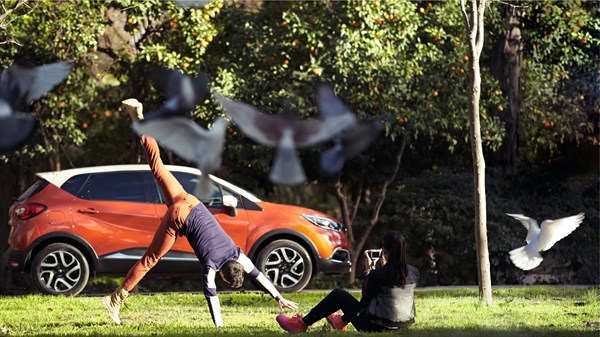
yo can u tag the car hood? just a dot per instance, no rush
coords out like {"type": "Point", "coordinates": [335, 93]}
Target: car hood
{"type": "Point", "coordinates": [292, 210]}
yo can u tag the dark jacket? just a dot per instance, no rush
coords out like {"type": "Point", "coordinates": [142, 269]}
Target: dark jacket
{"type": "Point", "coordinates": [388, 305]}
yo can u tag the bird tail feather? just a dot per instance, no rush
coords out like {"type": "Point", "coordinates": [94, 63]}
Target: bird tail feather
{"type": "Point", "coordinates": [524, 259]}
{"type": "Point", "coordinates": [204, 187]}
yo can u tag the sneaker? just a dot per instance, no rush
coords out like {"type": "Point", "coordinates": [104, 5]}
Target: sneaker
{"type": "Point", "coordinates": [113, 311]}
{"type": "Point", "coordinates": [134, 108]}
{"type": "Point", "coordinates": [292, 324]}
{"type": "Point", "coordinates": [113, 302]}
{"type": "Point", "coordinates": [336, 322]}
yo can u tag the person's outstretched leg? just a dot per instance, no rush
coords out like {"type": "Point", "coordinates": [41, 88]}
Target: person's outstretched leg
{"type": "Point", "coordinates": [337, 299]}
{"type": "Point", "coordinates": [163, 240]}
{"type": "Point", "coordinates": [170, 187]}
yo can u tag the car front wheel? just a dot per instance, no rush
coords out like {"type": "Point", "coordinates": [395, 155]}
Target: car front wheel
{"type": "Point", "coordinates": [60, 269]}
{"type": "Point", "coordinates": [286, 264]}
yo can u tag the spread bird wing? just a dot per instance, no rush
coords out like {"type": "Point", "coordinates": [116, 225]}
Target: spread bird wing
{"type": "Point", "coordinates": [530, 224]}
{"type": "Point", "coordinates": [262, 128]}
{"type": "Point", "coordinates": [168, 81]}
{"type": "Point", "coordinates": [553, 231]}
{"type": "Point", "coordinates": [358, 138]}
{"type": "Point", "coordinates": [329, 105]}
{"type": "Point", "coordinates": [525, 220]}
{"type": "Point", "coordinates": [178, 134]}
{"type": "Point", "coordinates": [349, 143]}
{"type": "Point", "coordinates": [30, 83]}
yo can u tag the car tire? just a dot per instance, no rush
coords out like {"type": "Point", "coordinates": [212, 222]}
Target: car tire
{"type": "Point", "coordinates": [60, 269]}
{"type": "Point", "coordinates": [286, 264]}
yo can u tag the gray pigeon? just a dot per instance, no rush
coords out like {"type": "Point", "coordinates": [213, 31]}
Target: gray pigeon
{"type": "Point", "coordinates": [286, 131]}
{"type": "Point", "coordinates": [541, 239]}
{"type": "Point", "coordinates": [191, 142]}
{"type": "Point", "coordinates": [182, 91]}
{"type": "Point", "coordinates": [350, 141]}
{"type": "Point", "coordinates": [20, 84]}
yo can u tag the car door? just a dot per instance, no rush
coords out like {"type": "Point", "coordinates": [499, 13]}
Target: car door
{"type": "Point", "coordinates": [114, 213]}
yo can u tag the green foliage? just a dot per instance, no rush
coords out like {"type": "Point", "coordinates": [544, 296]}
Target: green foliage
{"type": "Point", "coordinates": [560, 82]}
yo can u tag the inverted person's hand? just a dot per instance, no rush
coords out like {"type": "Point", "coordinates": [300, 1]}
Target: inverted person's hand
{"type": "Point", "coordinates": [283, 303]}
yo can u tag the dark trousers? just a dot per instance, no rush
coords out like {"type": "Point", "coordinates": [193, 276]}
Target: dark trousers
{"type": "Point", "coordinates": [340, 299]}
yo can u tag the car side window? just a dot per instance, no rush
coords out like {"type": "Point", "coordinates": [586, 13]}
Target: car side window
{"type": "Point", "coordinates": [189, 182]}
{"type": "Point", "coordinates": [115, 186]}
{"type": "Point", "coordinates": [74, 184]}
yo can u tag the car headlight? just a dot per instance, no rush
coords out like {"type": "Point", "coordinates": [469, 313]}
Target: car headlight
{"type": "Point", "coordinates": [323, 222]}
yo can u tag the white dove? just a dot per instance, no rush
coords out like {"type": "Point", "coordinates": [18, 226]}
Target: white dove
{"type": "Point", "coordinates": [541, 239]}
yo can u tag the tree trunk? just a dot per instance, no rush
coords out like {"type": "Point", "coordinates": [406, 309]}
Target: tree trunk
{"type": "Point", "coordinates": [475, 32]}
{"type": "Point", "coordinates": [506, 67]}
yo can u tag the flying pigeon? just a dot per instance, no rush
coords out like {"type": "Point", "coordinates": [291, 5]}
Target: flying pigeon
{"type": "Point", "coordinates": [539, 240]}
{"type": "Point", "coordinates": [183, 93]}
{"type": "Point", "coordinates": [191, 142]}
{"type": "Point", "coordinates": [351, 141]}
{"type": "Point", "coordinates": [348, 144]}
{"type": "Point", "coordinates": [20, 84]}
{"type": "Point", "coordinates": [286, 131]}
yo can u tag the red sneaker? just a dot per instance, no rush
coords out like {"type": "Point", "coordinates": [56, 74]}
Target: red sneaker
{"type": "Point", "coordinates": [292, 324]}
{"type": "Point", "coordinates": [336, 322]}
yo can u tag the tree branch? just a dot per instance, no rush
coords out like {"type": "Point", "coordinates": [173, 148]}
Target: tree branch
{"type": "Point", "coordinates": [382, 195]}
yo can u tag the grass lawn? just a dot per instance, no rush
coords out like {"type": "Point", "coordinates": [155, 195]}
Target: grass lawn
{"type": "Point", "coordinates": [518, 312]}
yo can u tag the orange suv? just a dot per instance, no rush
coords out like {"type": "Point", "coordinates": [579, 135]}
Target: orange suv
{"type": "Point", "coordinates": [75, 224]}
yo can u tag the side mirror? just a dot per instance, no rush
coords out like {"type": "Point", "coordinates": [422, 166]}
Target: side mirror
{"type": "Point", "coordinates": [230, 202]}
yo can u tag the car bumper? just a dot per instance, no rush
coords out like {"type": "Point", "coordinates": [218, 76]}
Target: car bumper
{"type": "Point", "coordinates": [338, 263]}
{"type": "Point", "coordinates": [16, 260]}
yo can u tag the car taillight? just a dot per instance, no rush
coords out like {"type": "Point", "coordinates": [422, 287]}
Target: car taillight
{"type": "Point", "coordinates": [28, 211]}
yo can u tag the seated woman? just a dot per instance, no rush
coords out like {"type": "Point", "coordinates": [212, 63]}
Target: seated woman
{"type": "Point", "coordinates": [387, 301]}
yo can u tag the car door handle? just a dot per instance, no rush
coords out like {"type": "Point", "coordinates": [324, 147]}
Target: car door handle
{"type": "Point", "coordinates": [88, 211]}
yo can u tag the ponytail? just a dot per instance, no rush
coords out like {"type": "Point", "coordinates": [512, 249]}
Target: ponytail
{"type": "Point", "coordinates": [395, 245]}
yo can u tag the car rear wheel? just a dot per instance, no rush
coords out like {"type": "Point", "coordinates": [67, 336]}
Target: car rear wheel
{"type": "Point", "coordinates": [286, 264]}
{"type": "Point", "coordinates": [60, 269]}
